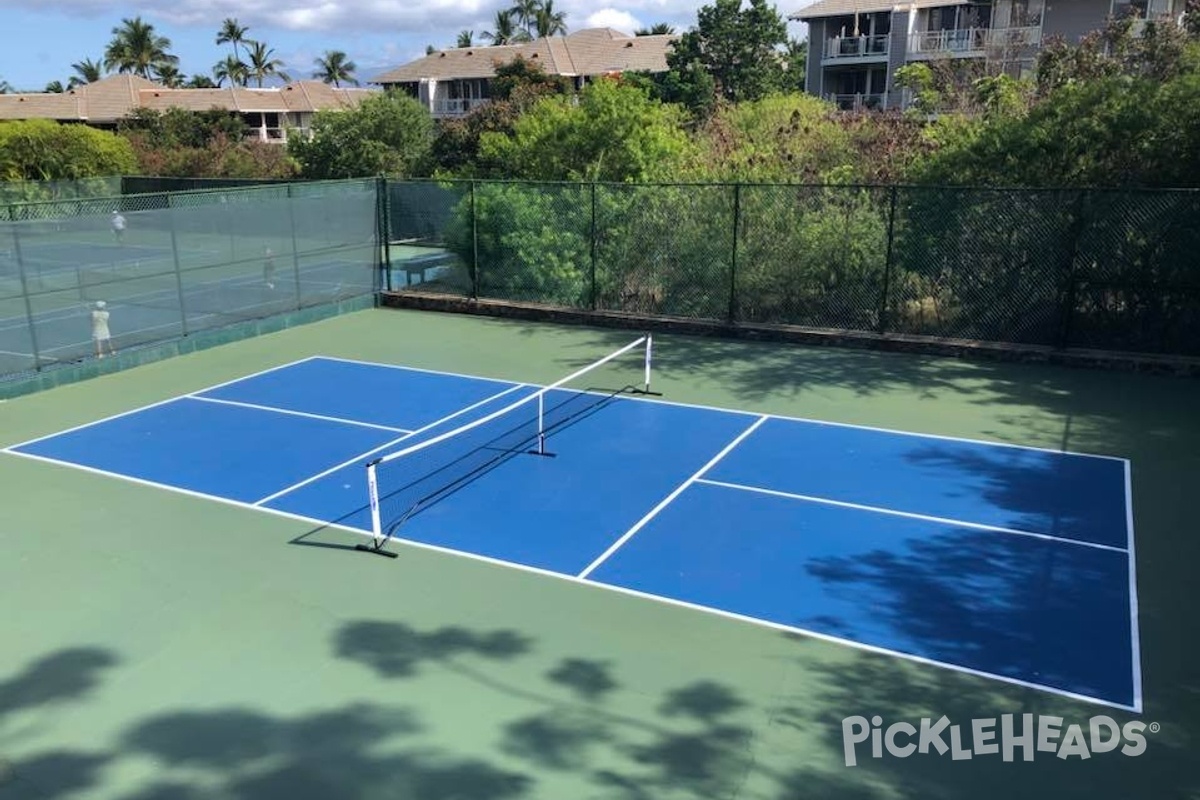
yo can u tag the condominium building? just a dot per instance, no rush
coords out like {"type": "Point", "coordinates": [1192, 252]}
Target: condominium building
{"type": "Point", "coordinates": [856, 46]}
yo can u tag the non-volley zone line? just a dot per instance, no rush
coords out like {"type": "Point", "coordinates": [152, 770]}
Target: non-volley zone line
{"type": "Point", "coordinates": [907, 514]}
{"type": "Point", "coordinates": [359, 459]}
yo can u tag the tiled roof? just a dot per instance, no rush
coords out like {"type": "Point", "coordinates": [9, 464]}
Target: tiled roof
{"type": "Point", "coordinates": [112, 98]}
{"type": "Point", "coordinates": [839, 8]}
{"type": "Point", "coordinates": [589, 52]}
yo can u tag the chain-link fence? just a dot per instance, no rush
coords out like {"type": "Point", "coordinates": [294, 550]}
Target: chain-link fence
{"type": "Point", "coordinates": [155, 184]}
{"type": "Point", "coordinates": [38, 191]}
{"type": "Point", "coordinates": [167, 265]}
{"type": "Point", "coordinates": [1103, 269]}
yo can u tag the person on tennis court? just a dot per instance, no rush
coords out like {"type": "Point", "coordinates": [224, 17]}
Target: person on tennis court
{"type": "Point", "coordinates": [269, 269]}
{"type": "Point", "coordinates": [118, 226]}
{"type": "Point", "coordinates": [100, 332]}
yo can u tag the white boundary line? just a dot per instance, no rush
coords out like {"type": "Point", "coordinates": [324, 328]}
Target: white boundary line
{"type": "Point", "coordinates": [385, 445]}
{"type": "Point", "coordinates": [909, 514]}
{"type": "Point", "coordinates": [604, 587]}
{"type": "Point", "coordinates": [11, 447]}
{"type": "Point", "coordinates": [1136, 707]}
{"type": "Point", "coordinates": [1134, 632]}
{"type": "Point", "coordinates": [294, 413]}
{"type": "Point", "coordinates": [415, 369]}
{"type": "Point", "coordinates": [783, 417]}
{"type": "Point", "coordinates": [666, 501]}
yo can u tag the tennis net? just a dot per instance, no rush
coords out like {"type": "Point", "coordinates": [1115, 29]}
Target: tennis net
{"type": "Point", "coordinates": [408, 481]}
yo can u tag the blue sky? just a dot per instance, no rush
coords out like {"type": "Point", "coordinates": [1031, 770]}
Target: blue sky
{"type": "Point", "coordinates": [44, 37]}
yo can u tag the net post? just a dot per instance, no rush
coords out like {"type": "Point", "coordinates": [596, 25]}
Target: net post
{"type": "Point", "coordinates": [380, 539]}
{"type": "Point", "coordinates": [541, 423]}
{"type": "Point", "coordinates": [649, 359]}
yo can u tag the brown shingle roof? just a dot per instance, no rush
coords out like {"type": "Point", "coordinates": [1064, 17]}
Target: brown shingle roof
{"type": "Point", "coordinates": [589, 52]}
{"type": "Point", "coordinates": [112, 98]}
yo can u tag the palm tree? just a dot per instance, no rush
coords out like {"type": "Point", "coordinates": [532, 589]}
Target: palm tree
{"type": "Point", "coordinates": [233, 33]}
{"type": "Point", "coordinates": [263, 65]}
{"type": "Point", "coordinates": [200, 82]}
{"type": "Point", "coordinates": [86, 71]}
{"type": "Point", "coordinates": [333, 67]}
{"type": "Point", "coordinates": [5, 86]}
{"type": "Point", "coordinates": [505, 29]}
{"type": "Point", "coordinates": [526, 12]}
{"type": "Point", "coordinates": [136, 48]}
{"type": "Point", "coordinates": [659, 29]}
{"type": "Point", "coordinates": [549, 21]}
{"type": "Point", "coordinates": [464, 38]}
{"type": "Point", "coordinates": [232, 69]}
{"type": "Point", "coordinates": [54, 87]}
{"type": "Point", "coordinates": [169, 76]}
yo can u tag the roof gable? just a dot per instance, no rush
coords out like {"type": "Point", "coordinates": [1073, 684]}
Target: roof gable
{"type": "Point", "coordinates": [594, 51]}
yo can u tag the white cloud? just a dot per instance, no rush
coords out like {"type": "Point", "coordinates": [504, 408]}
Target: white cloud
{"type": "Point", "coordinates": [613, 18]}
{"type": "Point", "coordinates": [394, 17]}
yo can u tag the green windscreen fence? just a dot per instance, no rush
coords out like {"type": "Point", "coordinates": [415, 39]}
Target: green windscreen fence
{"type": "Point", "coordinates": [167, 265]}
{"type": "Point", "coordinates": [38, 191]}
{"type": "Point", "coordinates": [1102, 269]}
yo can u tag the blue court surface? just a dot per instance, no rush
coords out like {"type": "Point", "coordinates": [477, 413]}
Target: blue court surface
{"type": "Point", "coordinates": [1009, 562]}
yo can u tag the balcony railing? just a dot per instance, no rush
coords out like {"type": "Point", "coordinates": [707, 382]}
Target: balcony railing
{"type": "Point", "coordinates": [277, 135]}
{"type": "Point", "coordinates": [970, 41]}
{"type": "Point", "coordinates": [858, 47]}
{"type": "Point", "coordinates": [857, 102]}
{"type": "Point", "coordinates": [457, 107]}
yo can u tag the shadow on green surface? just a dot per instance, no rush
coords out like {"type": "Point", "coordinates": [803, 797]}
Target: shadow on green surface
{"type": "Point", "coordinates": [43, 687]}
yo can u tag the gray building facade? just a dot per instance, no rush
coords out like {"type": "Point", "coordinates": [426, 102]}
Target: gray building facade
{"type": "Point", "coordinates": [856, 46]}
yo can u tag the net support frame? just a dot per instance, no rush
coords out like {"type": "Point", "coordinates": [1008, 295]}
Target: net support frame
{"type": "Point", "coordinates": [380, 537]}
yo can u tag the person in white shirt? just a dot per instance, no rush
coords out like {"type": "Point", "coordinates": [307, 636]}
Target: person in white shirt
{"type": "Point", "coordinates": [118, 226]}
{"type": "Point", "coordinates": [100, 333]}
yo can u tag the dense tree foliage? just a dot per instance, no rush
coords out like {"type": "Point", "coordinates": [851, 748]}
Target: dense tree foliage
{"type": "Point", "coordinates": [610, 132]}
{"type": "Point", "coordinates": [42, 150]}
{"type": "Point", "coordinates": [387, 134]}
{"type": "Point", "coordinates": [733, 54]}
{"type": "Point", "coordinates": [201, 144]}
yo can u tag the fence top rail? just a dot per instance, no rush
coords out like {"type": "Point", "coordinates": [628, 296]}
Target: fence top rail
{"type": "Point", "coordinates": [244, 188]}
{"type": "Point", "coordinates": [1184, 190]}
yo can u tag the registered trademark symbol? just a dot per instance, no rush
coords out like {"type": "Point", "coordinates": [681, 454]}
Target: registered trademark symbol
{"type": "Point", "coordinates": [1155, 727]}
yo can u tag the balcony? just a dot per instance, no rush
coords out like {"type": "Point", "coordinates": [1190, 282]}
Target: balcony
{"type": "Point", "coordinates": [857, 102]}
{"type": "Point", "coordinates": [456, 107]}
{"type": "Point", "coordinates": [856, 49]}
{"type": "Point", "coordinates": [970, 42]}
{"type": "Point", "coordinates": [276, 135]}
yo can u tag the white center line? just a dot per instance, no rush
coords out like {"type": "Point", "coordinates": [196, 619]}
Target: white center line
{"type": "Point", "coordinates": [276, 410]}
{"type": "Point", "coordinates": [909, 514]}
{"type": "Point", "coordinates": [667, 500]}
{"type": "Point", "coordinates": [361, 456]}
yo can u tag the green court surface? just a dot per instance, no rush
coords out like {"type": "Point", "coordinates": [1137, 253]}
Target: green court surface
{"type": "Point", "coordinates": [159, 645]}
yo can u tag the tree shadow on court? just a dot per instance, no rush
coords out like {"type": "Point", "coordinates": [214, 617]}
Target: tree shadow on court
{"type": "Point", "coordinates": [396, 650]}
{"type": "Point", "coordinates": [869, 684]}
{"type": "Point", "coordinates": [358, 751]}
{"type": "Point", "coordinates": [696, 742]}
{"type": "Point", "coordinates": [42, 687]}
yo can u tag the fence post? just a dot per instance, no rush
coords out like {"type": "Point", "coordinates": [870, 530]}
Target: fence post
{"type": "Point", "coordinates": [183, 321]}
{"type": "Point", "coordinates": [887, 264]}
{"type": "Point", "coordinates": [383, 230]}
{"type": "Point", "coordinates": [595, 289]}
{"type": "Point", "coordinates": [474, 247]}
{"type": "Point", "coordinates": [33, 343]}
{"type": "Point", "coordinates": [737, 216]}
{"type": "Point", "coordinates": [295, 247]}
{"type": "Point", "coordinates": [1069, 294]}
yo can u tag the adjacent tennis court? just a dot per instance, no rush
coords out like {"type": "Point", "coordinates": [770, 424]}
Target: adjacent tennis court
{"type": "Point", "coordinates": [804, 525]}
